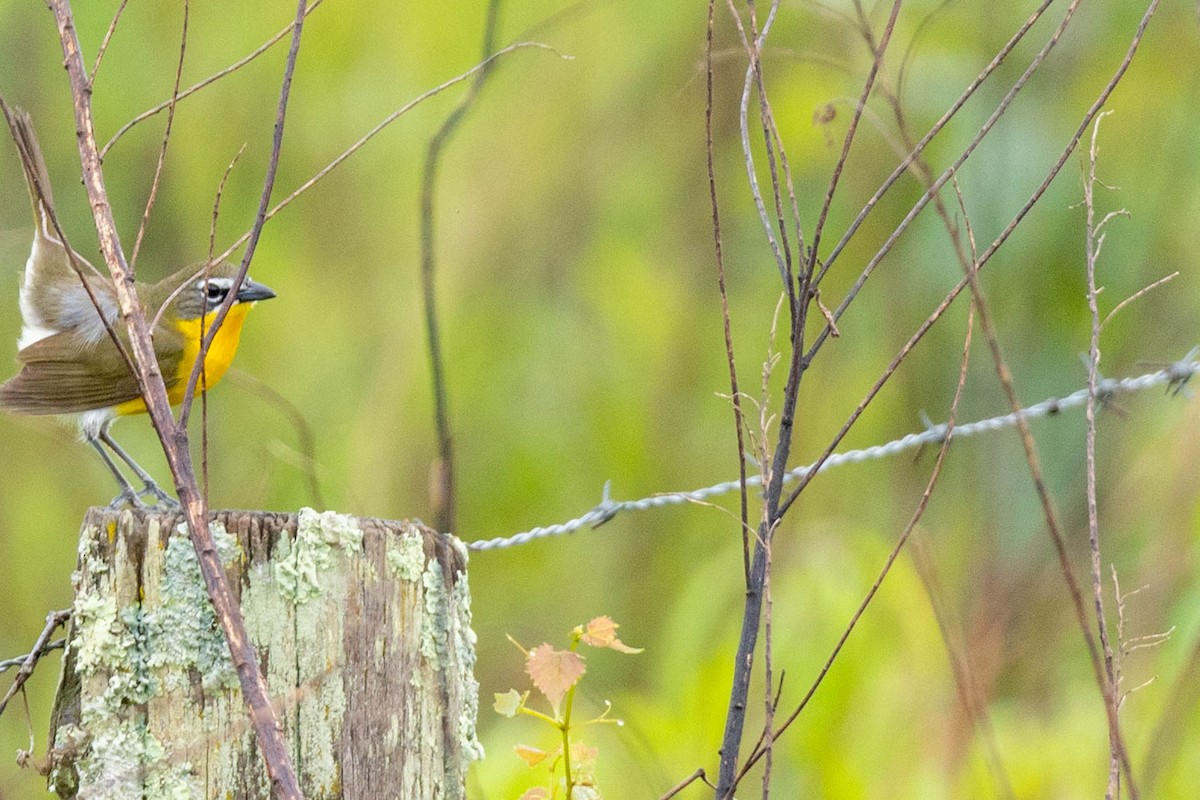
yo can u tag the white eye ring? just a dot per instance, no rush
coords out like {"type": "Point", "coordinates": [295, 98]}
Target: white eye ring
{"type": "Point", "coordinates": [224, 284]}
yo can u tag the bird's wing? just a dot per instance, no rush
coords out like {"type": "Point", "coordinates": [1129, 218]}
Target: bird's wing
{"type": "Point", "coordinates": [62, 374]}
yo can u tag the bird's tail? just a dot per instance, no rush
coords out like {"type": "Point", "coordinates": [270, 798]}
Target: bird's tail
{"type": "Point", "coordinates": [37, 178]}
{"type": "Point", "coordinates": [53, 298]}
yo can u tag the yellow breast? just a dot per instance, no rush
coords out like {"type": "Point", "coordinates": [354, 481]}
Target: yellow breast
{"type": "Point", "coordinates": [216, 362]}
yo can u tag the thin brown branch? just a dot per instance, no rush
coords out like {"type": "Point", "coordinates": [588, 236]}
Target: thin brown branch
{"type": "Point", "coordinates": [876, 65]}
{"type": "Point", "coordinates": [752, 611]}
{"type": "Point", "coordinates": [108, 34]}
{"type": "Point", "coordinates": [769, 703]}
{"type": "Point", "coordinates": [216, 213]}
{"type": "Point", "coordinates": [173, 437]}
{"type": "Point", "coordinates": [987, 254]}
{"type": "Point", "coordinates": [892, 556]}
{"type": "Point", "coordinates": [162, 151]}
{"type": "Point", "coordinates": [29, 662]}
{"type": "Point", "coordinates": [260, 218]}
{"type": "Point", "coordinates": [234, 67]}
{"type": "Point", "coordinates": [751, 618]}
{"type": "Point", "coordinates": [9, 663]}
{"type": "Point", "coordinates": [1006, 381]}
{"type": "Point", "coordinates": [937, 127]}
{"type": "Point", "coordinates": [730, 360]}
{"type": "Point", "coordinates": [753, 42]}
{"type": "Point", "coordinates": [442, 478]}
{"type": "Point", "coordinates": [388, 120]}
{"type": "Point", "coordinates": [1137, 295]}
{"type": "Point", "coordinates": [698, 775]}
{"type": "Point", "coordinates": [923, 201]}
{"type": "Point", "coordinates": [1003, 371]}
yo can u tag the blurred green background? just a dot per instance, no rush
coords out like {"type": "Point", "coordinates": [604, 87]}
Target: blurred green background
{"type": "Point", "coordinates": [583, 343]}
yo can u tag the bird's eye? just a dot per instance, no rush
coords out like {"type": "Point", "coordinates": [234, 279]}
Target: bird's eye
{"type": "Point", "coordinates": [215, 292]}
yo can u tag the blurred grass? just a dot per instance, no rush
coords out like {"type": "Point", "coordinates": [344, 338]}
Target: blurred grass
{"type": "Point", "coordinates": [583, 344]}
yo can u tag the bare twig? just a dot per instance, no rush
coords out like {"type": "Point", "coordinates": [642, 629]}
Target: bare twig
{"type": "Point", "coordinates": [260, 218]}
{"type": "Point", "coordinates": [891, 559]}
{"type": "Point", "coordinates": [1137, 295]}
{"type": "Point", "coordinates": [29, 662]}
{"type": "Point", "coordinates": [877, 53]}
{"type": "Point", "coordinates": [1026, 437]}
{"type": "Point", "coordinates": [234, 67]}
{"type": "Point", "coordinates": [172, 435]}
{"type": "Point", "coordinates": [769, 702]}
{"type": "Point", "coordinates": [928, 137]}
{"type": "Point", "coordinates": [730, 360]}
{"type": "Point", "coordinates": [9, 663]}
{"type": "Point", "coordinates": [386, 121]}
{"type": "Point", "coordinates": [937, 185]}
{"type": "Point", "coordinates": [698, 775]}
{"type": "Point", "coordinates": [162, 151]}
{"type": "Point", "coordinates": [1091, 244]}
{"type": "Point", "coordinates": [112, 28]}
{"type": "Point", "coordinates": [442, 477]}
{"type": "Point", "coordinates": [751, 619]}
{"type": "Point", "coordinates": [987, 254]}
{"type": "Point", "coordinates": [781, 248]}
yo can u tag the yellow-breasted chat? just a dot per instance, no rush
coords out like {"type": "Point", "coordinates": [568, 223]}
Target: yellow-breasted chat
{"type": "Point", "coordinates": [69, 363]}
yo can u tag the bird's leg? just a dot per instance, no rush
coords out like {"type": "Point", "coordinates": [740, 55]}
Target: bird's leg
{"type": "Point", "coordinates": [128, 493]}
{"type": "Point", "coordinates": [151, 487]}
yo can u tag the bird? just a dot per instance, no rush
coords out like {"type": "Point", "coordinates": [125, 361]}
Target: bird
{"type": "Point", "coordinates": [70, 362]}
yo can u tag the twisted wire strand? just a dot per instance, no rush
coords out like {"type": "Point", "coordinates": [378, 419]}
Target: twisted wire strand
{"type": "Point", "coordinates": [1174, 377]}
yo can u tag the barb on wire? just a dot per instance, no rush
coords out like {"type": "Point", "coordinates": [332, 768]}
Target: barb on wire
{"type": "Point", "coordinates": [1173, 376]}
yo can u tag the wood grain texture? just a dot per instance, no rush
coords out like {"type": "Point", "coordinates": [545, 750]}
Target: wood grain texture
{"type": "Point", "coordinates": [363, 631]}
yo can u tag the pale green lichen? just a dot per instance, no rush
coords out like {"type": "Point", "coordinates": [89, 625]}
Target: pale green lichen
{"type": "Point", "coordinates": [464, 650]}
{"type": "Point", "coordinates": [447, 640]}
{"type": "Point", "coordinates": [99, 637]}
{"type": "Point", "coordinates": [299, 562]}
{"type": "Point", "coordinates": [110, 647]}
{"type": "Point", "coordinates": [184, 627]}
{"type": "Point", "coordinates": [121, 758]}
{"type": "Point", "coordinates": [435, 623]}
{"type": "Point", "coordinates": [133, 763]}
{"type": "Point", "coordinates": [406, 555]}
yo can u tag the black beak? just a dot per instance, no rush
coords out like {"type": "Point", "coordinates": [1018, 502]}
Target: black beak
{"type": "Point", "coordinates": [252, 292]}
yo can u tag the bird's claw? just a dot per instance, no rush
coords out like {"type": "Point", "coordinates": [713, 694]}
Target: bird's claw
{"type": "Point", "coordinates": [129, 497]}
{"type": "Point", "coordinates": [161, 498]}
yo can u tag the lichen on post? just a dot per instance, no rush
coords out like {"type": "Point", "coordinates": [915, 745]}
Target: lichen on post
{"type": "Point", "coordinates": [362, 628]}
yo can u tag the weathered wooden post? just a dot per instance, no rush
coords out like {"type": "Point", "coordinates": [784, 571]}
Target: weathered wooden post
{"type": "Point", "coordinates": [362, 627]}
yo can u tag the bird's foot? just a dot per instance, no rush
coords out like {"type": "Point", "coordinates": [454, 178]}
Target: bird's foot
{"type": "Point", "coordinates": [161, 498]}
{"type": "Point", "coordinates": [133, 499]}
{"type": "Point", "coordinates": [127, 497]}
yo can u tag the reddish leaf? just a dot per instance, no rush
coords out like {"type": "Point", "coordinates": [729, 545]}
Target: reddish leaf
{"type": "Point", "coordinates": [554, 672]}
{"type": "Point", "coordinates": [531, 755]}
{"type": "Point", "coordinates": [602, 632]}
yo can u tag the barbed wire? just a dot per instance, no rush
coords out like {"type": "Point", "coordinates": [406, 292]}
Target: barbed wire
{"type": "Point", "coordinates": [1175, 376]}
